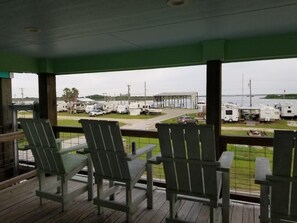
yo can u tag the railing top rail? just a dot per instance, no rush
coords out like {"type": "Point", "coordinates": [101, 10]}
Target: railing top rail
{"type": "Point", "coordinates": [241, 140]}
{"type": "Point", "coordinates": [125, 132]}
{"type": "Point", "coordinates": [247, 140]}
{"type": "Point", "coordinates": [6, 137]}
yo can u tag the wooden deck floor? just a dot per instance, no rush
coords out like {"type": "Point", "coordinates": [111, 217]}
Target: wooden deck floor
{"type": "Point", "coordinates": [19, 204]}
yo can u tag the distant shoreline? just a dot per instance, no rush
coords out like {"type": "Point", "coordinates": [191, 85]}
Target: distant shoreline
{"type": "Point", "coordinates": [280, 96]}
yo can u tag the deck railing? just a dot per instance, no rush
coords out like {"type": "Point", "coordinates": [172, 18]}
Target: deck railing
{"type": "Point", "coordinates": [246, 149]}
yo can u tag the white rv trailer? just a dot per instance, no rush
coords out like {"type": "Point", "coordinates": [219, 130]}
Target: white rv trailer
{"type": "Point", "coordinates": [61, 106]}
{"type": "Point", "coordinates": [135, 108]}
{"type": "Point", "coordinates": [90, 108]}
{"type": "Point", "coordinates": [230, 113]}
{"type": "Point", "coordinates": [201, 106]}
{"type": "Point", "coordinates": [123, 109]}
{"type": "Point", "coordinates": [287, 110]}
{"type": "Point", "coordinates": [109, 106]}
{"type": "Point", "coordinates": [260, 114]}
{"type": "Point", "coordinates": [269, 114]}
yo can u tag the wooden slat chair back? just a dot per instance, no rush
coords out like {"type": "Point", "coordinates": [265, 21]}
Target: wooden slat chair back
{"type": "Point", "coordinates": [188, 156]}
{"type": "Point", "coordinates": [105, 144]}
{"type": "Point", "coordinates": [283, 180]}
{"type": "Point", "coordinates": [43, 145]}
{"type": "Point", "coordinates": [107, 150]}
{"type": "Point", "coordinates": [190, 166]}
{"type": "Point", "coordinates": [53, 160]}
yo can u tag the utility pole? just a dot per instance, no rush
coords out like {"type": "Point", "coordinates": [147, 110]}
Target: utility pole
{"type": "Point", "coordinates": [242, 88]}
{"type": "Point", "coordinates": [128, 93]}
{"type": "Point", "coordinates": [250, 85]}
{"type": "Point", "coordinates": [145, 95]}
{"type": "Point", "coordinates": [22, 93]}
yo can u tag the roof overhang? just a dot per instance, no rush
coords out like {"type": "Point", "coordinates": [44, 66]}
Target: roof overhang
{"type": "Point", "coordinates": [89, 36]}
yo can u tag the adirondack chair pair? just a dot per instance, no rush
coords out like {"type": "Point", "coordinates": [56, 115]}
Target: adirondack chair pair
{"type": "Point", "coordinates": [278, 188]}
{"type": "Point", "coordinates": [191, 170]}
{"type": "Point", "coordinates": [53, 160]}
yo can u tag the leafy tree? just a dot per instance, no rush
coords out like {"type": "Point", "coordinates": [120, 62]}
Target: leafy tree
{"type": "Point", "coordinates": [70, 95]}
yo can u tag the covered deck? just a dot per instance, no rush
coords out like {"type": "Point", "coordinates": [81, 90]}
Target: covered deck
{"type": "Point", "coordinates": [98, 36]}
{"type": "Point", "coordinates": [19, 204]}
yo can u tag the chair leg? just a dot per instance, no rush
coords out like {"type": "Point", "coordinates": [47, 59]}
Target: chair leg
{"type": "Point", "coordinates": [90, 178]}
{"type": "Point", "coordinates": [64, 186]}
{"type": "Point", "coordinates": [173, 206]}
{"type": "Point", "coordinates": [149, 178]}
{"type": "Point", "coordinates": [99, 183]}
{"type": "Point", "coordinates": [225, 197]}
{"type": "Point", "coordinates": [41, 179]}
{"type": "Point", "coordinates": [111, 184]}
{"type": "Point", "coordinates": [211, 213]}
{"type": "Point", "coordinates": [99, 193]}
{"type": "Point", "coordinates": [264, 203]}
{"type": "Point", "coordinates": [58, 187]}
{"type": "Point", "coordinates": [149, 186]}
{"type": "Point", "coordinates": [128, 202]}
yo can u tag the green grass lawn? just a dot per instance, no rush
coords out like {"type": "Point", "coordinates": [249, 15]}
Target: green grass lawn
{"type": "Point", "coordinates": [280, 124]}
{"type": "Point", "coordinates": [68, 122]}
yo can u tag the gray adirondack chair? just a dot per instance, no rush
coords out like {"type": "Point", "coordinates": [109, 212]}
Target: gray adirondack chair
{"type": "Point", "coordinates": [111, 163]}
{"type": "Point", "coordinates": [51, 159]}
{"type": "Point", "coordinates": [278, 189]}
{"type": "Point", "coordinates": [191, 170]}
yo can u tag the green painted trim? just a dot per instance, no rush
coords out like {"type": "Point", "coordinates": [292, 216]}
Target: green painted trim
{"type": "Point", "coordinates": [258, 48]}
{"type": "Point", "coordinates": [165, 57]}
{"type": "Point", "coordinates": [213, 50]}
{"type": "Point", "coordinates": [4, 75]}
{"type": "Point", "coordinates": [45, 66]}
{"type": "Point", "coordinates": [261, 48]}
{"type": "Point", "coordinates": [17, 63]}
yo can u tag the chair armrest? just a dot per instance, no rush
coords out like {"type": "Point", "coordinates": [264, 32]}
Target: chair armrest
{"type": "Point", "coordinates": [226, 161]}
{"type": "Point", "coordinates": [59, 140]}
{"type": "Point", "coordinates": [262, 169]}
{"type": "Point", "coordinates": [73, 148]}
{"type": "Point", "coordinates": [148, 148]}
{"type": "Point", "coordinates": [155, 159]}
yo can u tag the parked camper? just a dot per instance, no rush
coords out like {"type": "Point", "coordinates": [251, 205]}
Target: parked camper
{"type": "Point", "coordinates": [250, 113]}
{"type": "Point", "coordinates": [123, 109]}
{"type": "Point", "coordinates": [287, 110]}
{"type": "Point", "coordinates": [145, 109]}
{"type": "Point", "coordinates": [201, 105]}
{"type": "Point", "coordinates": [269, 114]}
{"type": "Point", "coordinates": [61, 107]}
{"type": "Point", "coordinates": [135, 108]}
{"type": "Point", "coordinates": [90, 108]}
{"type": "Point", "coordinates": [109, 106]}
{"type": "Point", "coordinates": [230, 113]}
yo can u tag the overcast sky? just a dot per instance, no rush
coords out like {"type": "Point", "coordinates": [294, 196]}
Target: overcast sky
{"type": "Point", "coordinates": [274, 76]}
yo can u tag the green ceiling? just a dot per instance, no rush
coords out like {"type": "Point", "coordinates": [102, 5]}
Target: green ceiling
{"type": "Point", "coordinates": [103, 35]}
